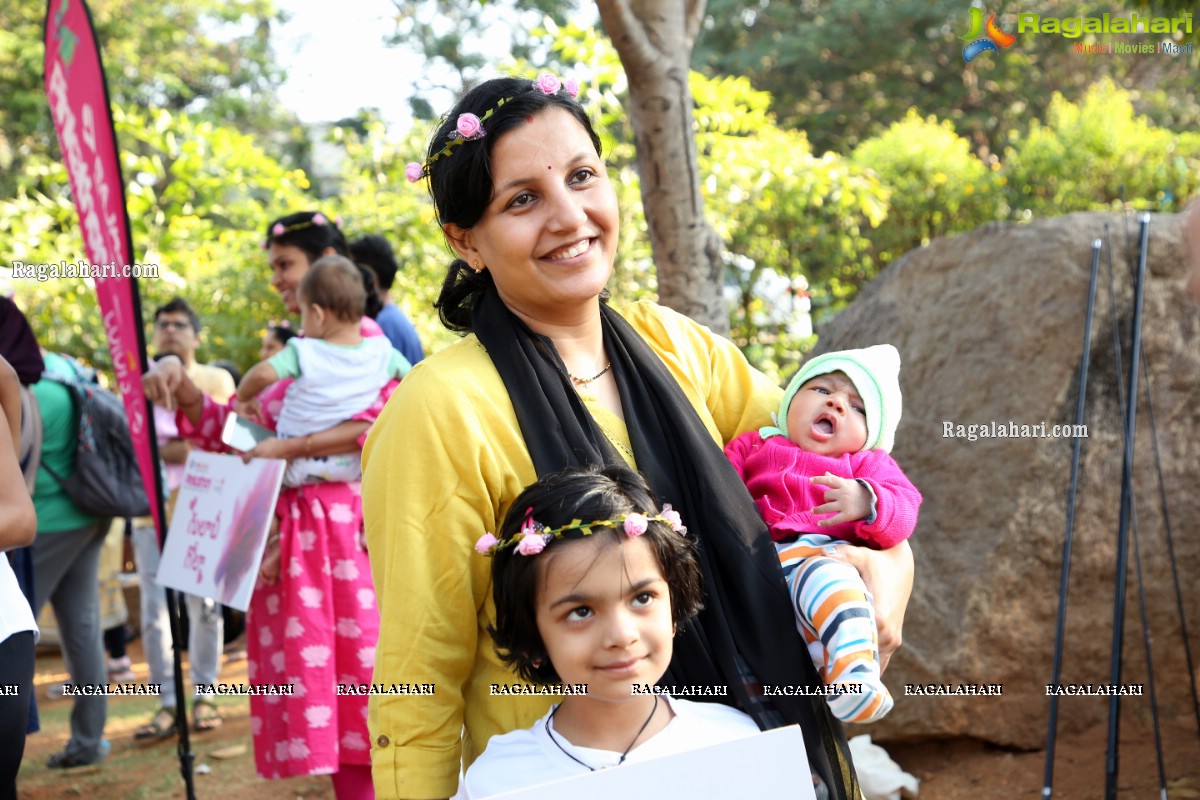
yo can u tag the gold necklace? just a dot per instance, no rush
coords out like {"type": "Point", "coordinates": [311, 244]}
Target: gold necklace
{"type": "Point", "coordinates": [585, 381]}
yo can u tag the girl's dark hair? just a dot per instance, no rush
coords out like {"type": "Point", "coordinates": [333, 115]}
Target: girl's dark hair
{"type": "Point", "coordinates": [302, 231]}
{"type": "Point", "coordinates": [312, 236]}
{"type": "Point", "coordinates": [586, 493]}
{"type": "Point", "coordinates": [460, 182]}
{"type": "Point", "coordinates": [281, 333]}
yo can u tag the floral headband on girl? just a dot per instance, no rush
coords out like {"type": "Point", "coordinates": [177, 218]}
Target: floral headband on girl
{"type": "Point", "coordinates": [534, 536]}
{"type": "Point", "coordinates": [469, 127]}
{"type": "Point", "coordinates": [279, 229]}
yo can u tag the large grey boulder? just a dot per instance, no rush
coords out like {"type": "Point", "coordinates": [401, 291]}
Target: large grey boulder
{"type": "Point", "coordinates": [990, 326]}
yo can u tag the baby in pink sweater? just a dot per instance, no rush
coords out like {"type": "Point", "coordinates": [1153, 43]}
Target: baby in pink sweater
{"type": "Point", "coordinates": [825, 478]}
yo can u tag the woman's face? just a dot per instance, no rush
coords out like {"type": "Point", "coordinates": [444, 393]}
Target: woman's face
{"type": "Point", "coordinates": [289, 264]}
{"type": "Point", "coordinates": [549, 234]}
{"type": "Point", "coordinates": [604, 615]}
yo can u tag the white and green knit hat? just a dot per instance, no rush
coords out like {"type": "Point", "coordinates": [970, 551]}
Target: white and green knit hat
{"type": "Point", "coordinates": [875, 373]}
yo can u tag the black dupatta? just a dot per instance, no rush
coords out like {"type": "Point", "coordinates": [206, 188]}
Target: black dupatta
{"type": "Point", "coordinates": [747, 623]}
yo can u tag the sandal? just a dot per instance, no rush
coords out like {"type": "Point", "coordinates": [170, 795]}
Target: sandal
{"type": "Point", "coordinates": [205, 716]}
{"type": "Point", "coordinates": [160, 726]}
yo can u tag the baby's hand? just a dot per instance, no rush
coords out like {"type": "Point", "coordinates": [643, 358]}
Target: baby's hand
{"type": "Point", "coordinates": [847, 499]}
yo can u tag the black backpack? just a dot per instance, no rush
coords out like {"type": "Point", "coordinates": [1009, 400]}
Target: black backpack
{"type": "Point", "coordinates": [106, 481]}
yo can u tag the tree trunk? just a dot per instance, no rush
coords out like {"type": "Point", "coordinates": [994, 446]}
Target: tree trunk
{"type": "Point", "coordinates": [654, 39]}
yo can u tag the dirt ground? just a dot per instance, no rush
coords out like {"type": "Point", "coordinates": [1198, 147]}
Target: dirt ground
{"type": "Point", "coordinates": [948, 770]}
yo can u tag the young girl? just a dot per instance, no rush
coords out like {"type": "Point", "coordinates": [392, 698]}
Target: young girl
{"type": "Point", "coordinates": [338, 371]}
{"type": "Point", "coordinates": [275, 339]}
{"type": "Point", "coordinates": [830, 455]}
{"type": "Point", "coordinates": [591, 582]}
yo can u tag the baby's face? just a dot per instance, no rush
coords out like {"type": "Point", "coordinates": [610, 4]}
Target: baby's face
{"type": "Point", "coordinates": [827, 416]}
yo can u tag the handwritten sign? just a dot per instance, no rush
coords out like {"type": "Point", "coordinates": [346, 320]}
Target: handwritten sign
{"type": "Point", "coordinates": [219, 530]}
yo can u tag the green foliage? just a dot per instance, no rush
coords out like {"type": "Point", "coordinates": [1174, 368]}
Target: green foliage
{"type": "Point", "coordinates": [781, 210]}
{"type": "Point", "coordinates": [453, 35]}
{"type": "Point", "coordinates": [936, 185]}
{"type": "Point", "coordinates": [209, 58]}
{"type": "Point", "coordinates": [1098, 154]}
{"type": "Point", "coordinates": [199, 196]}
{"type": "Point", "coordinates": [843, 71]}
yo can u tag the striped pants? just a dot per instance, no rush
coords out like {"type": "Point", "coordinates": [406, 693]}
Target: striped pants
{"type": "Point", "coordinates": [836, 616]}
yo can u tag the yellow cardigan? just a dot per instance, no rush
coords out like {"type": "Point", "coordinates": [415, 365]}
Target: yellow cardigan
{"type": "Point", "coordinates": [440, 468]}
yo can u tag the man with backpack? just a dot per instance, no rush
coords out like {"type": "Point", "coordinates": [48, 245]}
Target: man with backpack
{"type": "Point", "coordinates": [66, 563]}
{"type": "Point", "coordinates": [177, 333]}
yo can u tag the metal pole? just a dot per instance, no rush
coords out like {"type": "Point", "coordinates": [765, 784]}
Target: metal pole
{"type": "Point", "coordinates": [1111, 767]}
{"type": "Point", "coordinates": [1064, 580]}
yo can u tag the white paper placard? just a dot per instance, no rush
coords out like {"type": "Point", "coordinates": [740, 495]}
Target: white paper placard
{"type": "Point", "coordinates": [772, 764]}
{"type": "Point", "coordinates": [219, 529]}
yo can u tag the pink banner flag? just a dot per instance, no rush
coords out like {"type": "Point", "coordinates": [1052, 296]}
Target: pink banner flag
{"type": "Point", "coordinates": [78, 96]}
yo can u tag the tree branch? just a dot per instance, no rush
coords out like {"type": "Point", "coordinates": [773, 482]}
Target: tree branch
{"type": "Point", "coordinates": [620, 21]}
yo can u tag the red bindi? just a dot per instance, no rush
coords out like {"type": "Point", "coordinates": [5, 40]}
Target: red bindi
{"type": "Point", "coordinates": [529, 118]}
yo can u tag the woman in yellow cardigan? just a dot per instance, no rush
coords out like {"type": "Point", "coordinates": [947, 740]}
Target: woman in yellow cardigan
{"type": "Point", "coordinates": [549, 376]}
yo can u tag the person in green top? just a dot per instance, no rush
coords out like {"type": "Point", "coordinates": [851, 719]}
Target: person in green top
{"type": "Point", "coordinates": [66, 564]}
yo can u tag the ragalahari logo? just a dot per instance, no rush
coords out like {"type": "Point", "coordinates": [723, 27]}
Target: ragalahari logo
{"type": "Point", "coordinates": [984, 37]}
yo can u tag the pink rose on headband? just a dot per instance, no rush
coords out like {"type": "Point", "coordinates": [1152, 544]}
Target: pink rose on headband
{"type": "Point", "coordinates": [277, 229]}
{"type": "Point", "coordinates": [319, 219]}
{"type": "Point", "coordinates": [635, 525]}
{"type": "Point", "coordinates": [547, 83]}
{"type": "Point", "coordinates": [486, 543]}
{"type": "Point", "coordinates": [414, 172]}
{"type": "Point", "coordinates": [469, 126]}
{"type": "Point", "coordinates": [572, 87]}
{"type": "Point", "coordinates": [673, 519]}
{"type": "Point", "coordinates": [531, 544]}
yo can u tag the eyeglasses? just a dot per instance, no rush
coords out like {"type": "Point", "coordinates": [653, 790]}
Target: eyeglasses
{"type": "Point", "coordinates": [172, 324]}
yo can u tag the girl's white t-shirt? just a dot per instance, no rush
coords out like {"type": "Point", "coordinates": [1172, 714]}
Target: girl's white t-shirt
{"type": "Point", "coordinates": [525, 758]}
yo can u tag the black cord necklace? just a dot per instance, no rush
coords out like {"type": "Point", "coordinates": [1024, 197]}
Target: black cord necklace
{"type": "Point", "coordinates": [621, 761]}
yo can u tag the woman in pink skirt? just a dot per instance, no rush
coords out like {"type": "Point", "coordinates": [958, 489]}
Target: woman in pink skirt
{"type": "Point", "coordinates": [312, 622]}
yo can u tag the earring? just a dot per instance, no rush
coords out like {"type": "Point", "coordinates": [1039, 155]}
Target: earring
{"type": "Point", "coordinates": [537, 663]}
{"type": "Point", "coordinates": [475, 265]}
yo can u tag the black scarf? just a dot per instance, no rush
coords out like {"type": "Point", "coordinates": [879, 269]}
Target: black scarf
{"type": "Point", "coordinates": [747, 607]}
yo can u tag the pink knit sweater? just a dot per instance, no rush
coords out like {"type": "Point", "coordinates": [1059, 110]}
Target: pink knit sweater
{"type": "Point", "coordinates": [777, 473]}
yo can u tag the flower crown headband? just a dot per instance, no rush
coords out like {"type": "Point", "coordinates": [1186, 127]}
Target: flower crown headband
{"type": "Point", "coordinates": [534, 536]}
{"type": "Point", "coordinates": [469, 127]}
{"type": "Point", "coordinates": [278, 229]}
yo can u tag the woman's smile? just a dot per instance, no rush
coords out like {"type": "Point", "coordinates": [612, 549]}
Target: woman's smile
{"type": "Point", "coordinates": [563, 254]}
